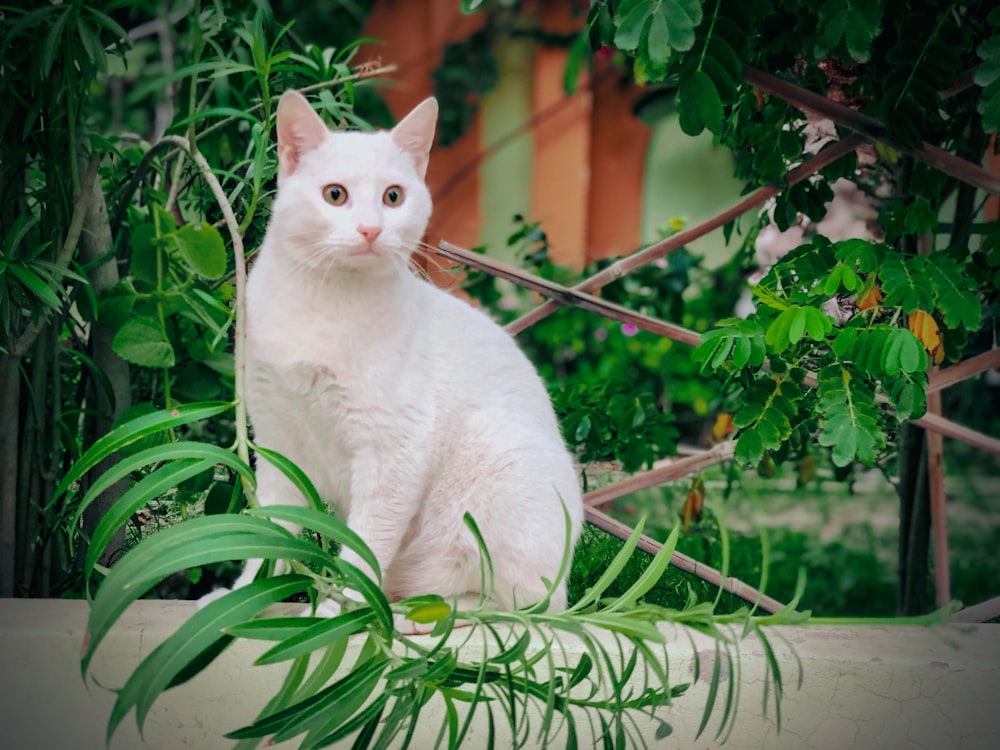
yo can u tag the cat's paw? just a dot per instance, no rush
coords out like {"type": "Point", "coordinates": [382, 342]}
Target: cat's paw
{"type": "Point", "coordinates": [211, 596]}
{"type": "Point", "coordinates": [409, 627]}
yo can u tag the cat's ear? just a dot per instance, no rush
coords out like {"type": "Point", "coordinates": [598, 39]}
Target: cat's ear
{"type": "Point", "coordinates": [300, 130]}
{"type": "Point", "coordinates": [415, 133]}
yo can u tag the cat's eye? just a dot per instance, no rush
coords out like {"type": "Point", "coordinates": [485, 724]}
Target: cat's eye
{"type": "Point", "coordinates": [393, 196]}
{"type": "Point", "coordinates": [335, 195]}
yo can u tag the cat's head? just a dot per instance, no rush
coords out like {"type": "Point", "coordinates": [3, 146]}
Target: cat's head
{"type": "Point", "coordinates": [352, 200]}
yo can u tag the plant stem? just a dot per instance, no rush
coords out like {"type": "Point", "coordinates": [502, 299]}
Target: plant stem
{"type": "Point", "coordinates": [240, 344]}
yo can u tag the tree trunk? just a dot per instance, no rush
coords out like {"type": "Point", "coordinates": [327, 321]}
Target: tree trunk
{"type": "Point", "coordinates": [95, 243]}
{"type": "Point", "coordinates": [914, 521]}
{"type": "Point", "coordinates": [10, 408]}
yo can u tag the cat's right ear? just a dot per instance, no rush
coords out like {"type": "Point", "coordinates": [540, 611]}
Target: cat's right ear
{"type": "Point", "coordinates": [300, 130]}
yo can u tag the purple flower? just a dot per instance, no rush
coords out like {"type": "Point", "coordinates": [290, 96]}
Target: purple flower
{"type": "Point", "coordinates": [629, 330]}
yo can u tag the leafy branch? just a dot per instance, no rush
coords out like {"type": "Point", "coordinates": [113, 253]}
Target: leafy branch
{"type": "Point", "coordinates": [525, 673]}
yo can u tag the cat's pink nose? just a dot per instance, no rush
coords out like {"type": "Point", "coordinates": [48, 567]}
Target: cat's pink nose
{"type": "Point", "coordinates": [370, 233]}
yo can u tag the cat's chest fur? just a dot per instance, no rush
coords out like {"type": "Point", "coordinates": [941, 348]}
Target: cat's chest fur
{"type": "Point", "coordinates": [328, 375]}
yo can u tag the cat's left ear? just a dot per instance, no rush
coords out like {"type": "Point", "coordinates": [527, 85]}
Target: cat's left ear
{"type": "Point", "coordinates": [300, 130]}
{"type": "Point", "coordinates": [415, 133]}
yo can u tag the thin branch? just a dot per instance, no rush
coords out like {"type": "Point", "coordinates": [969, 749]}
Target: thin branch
{"type": "Point", "coordinates": [26, 339]}
{"type": "Point", "coordinates": [239, 346]}
{"type": "Point", "coordinates": [706, 573]}
{"type": "Point", "coordinates": [668, 472]}
{"type": "Point", "coordinates": [982, 612]}
{"type": "Point", "coordinates": [565, 295]}
{"type": "Point", "coordinates": [941, 379]}
{"type": "Point", "coordinates": [655, 251]}
{"type": "Point", "coordinates": [939, 510]}
{"type": "Point", "coordinates": [570, 296]}
{"type": "Point", "coordinates": [871, 129]}
{"type": "Point", "coordinates": [951, 429]}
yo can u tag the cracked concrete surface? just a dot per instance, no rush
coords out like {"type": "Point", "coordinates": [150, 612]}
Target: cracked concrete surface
{"type": "Point", "coordinates": [877, 688]}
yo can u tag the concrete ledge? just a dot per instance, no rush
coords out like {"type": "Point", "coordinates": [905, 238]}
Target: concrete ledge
{"type": "Point", "coordinates": [864, 687]}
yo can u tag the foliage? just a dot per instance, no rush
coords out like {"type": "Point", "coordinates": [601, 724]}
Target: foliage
{"type": "Point", "coordinates": [382, 695]}
{"type": "Point", "coordinates": [468, 70]}
{"type": "Point", "coordinates": [611, 422]}
{"type": "Point", "coordinates": [863, 361]}
{"type": "Point", "coordinates": [145, 315]}
{"type": "Point", "coordinates": [87, 100]}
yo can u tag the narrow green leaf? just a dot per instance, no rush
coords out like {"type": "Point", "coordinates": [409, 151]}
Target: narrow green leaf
{"type": "Point", "coordinates": [159, 454]}
{"type": "Point", "coordinates": [367, 720]}
{"type": "Point", "coordinates": [273, 628]}
{"type": "Point", "coordinates": [650, 576]}
{"type": "Point", "coordinates": [611, 572]}
{"type": "Point", "coordinates": [370, 591]}
{"type": "Point", "coordinates": [296, 476]}
{"type": "Point", "coordinates": [515, 652]}
{"type": "Point", "coordinates": [324, 524]}
{"type": "Point", "coordinates": [152, 486]}
{"type": "Point", "coordinates": [197, 541]}
{"type": "Point", "coordinates": [317, 636]}
{"type": "Point", "coordinates": [197, 634]}
{"type": "Point", "coordinates": [34, 284]}
{"type": "Point", "coordinates": [134, 430]}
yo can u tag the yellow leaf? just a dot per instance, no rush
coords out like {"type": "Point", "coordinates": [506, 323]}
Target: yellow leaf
{"type": "Point", "coordinates": [693, 503]}
{"type": "Point", "coordinates": [807, 470]}
{"type": "Point", "coordinates": [871, 296]}
{"type": "Point", "coordinates": [722, 427]}
{"type": "Point", "coordinates": [925, 328]}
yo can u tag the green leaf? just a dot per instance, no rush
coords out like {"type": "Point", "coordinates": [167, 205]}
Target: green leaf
{"type": "Point", "coordinates": [152, 486]}
{"type": "Point", "coordinates": [957, 295]}
{"type": "Point", "coordinates": [323, 523]}
{"type": "Point", "coordinates": [159, 454]}
{"type": "Point", "coordinates": [743, 340]}
{"type": "Point", "coordinates": [650, 576]}
{"type": "Point", "coordinates": [848, 417]}
{"type": "Point", "coordinates": [197, 541]}
{"type": "Point", "coordinates": [297, 477]}
{"type": "Point", "coordinates": [272, 628]}
{"type": "Point", "coordinates": [906, 284]}
{"type": "Point", "coordinates": [699, 104]}
{"type": "Point", "coordinates": [34, 283]}
{"type": "Point", "coordinates": [317, 636]}
{"type": "Point", "coordinates": [203, 249]}
{"type": "Point", "coordinates": [631, 18]}
{"type": "Point", "coordinates": [515, 652]}
{"type": "Point", "coordinates": [612, 571]}
{"type": "Point", "coordinates": [198, 633]}
{"type": "Point", "coordinates": [862, 254]}
{"type": "Point", "coordinates": [143, 342]}
{"type": "Point", "coordinates": [787, 329]}
{"type": "Point", "coordinates": [370, 591]}
{"type": "Point", "coordinates": [137, 429]}
{"type": "Point", "coordinates": [902, 353]}
{"type": "Point", "coordinates": [428, 611]}
{"type": "Point", "coordinates": [338, 701]}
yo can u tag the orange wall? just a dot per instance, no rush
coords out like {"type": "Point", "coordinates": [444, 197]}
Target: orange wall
{"type": "Point", "coordinates": [588, 150]}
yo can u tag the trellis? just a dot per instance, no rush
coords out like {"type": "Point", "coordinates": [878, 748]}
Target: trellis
{"type": "Point", "coordinates": [865, 129]}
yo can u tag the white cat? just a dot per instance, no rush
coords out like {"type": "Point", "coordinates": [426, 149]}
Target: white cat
{"type": "Point", "coordinates": [405, 406]}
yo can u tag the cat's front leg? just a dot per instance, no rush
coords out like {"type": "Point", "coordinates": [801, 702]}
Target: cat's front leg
{"type": "Point", "coordinates": [273, 488]}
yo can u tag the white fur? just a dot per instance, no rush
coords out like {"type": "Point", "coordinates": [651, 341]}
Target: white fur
{"type": "Point", "coordinates": [405, 406]}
